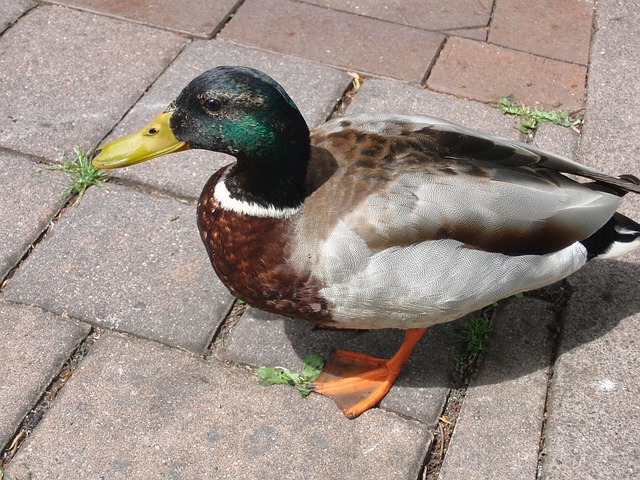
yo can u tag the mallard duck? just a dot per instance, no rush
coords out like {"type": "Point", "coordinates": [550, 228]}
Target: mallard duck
{"type": "Point", "coordinates": [376, 221]}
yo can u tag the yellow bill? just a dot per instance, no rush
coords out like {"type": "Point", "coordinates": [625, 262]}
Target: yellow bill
{"type": "Point", "coordinates": [153, 140]}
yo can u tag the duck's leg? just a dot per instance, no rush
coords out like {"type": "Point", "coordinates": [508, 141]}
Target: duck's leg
{"type": "Point", "coordinates": [357, 382]}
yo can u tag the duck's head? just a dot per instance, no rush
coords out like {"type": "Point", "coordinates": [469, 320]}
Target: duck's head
{"type": "Point", "coordinates": [235, 110]}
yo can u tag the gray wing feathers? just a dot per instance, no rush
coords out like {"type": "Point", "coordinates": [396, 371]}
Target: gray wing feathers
{"type": "Point", "coordinates": [487, 214]}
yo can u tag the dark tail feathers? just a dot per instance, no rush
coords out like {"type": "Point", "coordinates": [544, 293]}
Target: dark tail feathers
{"type": "Point", "coordinates": [619, 236]}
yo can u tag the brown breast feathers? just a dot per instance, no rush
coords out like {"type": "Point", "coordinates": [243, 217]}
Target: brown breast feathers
{"type": "Point", "coordinates": [249, 254]}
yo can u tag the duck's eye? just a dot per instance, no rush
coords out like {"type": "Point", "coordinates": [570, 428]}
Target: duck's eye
{"type": "Point", "coordinates": [212, 104]}
{"type": "Point", "coordinates": [152, 131]}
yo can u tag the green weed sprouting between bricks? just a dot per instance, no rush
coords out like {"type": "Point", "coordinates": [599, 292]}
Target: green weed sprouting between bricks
{"type": "Point", "coordinates": [82, 171]}
{"type": "Point", "coordinates": [312, 367]}
{"type": "Point", "coordinates": [531, 117]}
{"type": "Point", "coordinates": [473, 336]}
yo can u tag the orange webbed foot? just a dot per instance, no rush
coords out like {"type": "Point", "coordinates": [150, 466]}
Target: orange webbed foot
{"type": "Point", "coordinates": [357, 382]}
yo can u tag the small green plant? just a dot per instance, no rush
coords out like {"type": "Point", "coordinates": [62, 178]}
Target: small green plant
{"type": "Point", "coordinates": [531, 117]}
{"type": "Point", "coordinates": [473, 335]}
{"type": "Point", "coordinates": [312, 366]}
{"type": "Point", "coordinates": [82, 171]}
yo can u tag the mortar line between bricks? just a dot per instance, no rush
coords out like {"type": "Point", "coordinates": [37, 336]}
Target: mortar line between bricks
{"type": "Point", "coordinates": [139, 186]}
{"type": "Point", "coordinates": [126, 333]}
{"type": "Point", "coordinates": [346, 12]}
{"type": "Point", "coordinates": [586, 82]}
{"type": "Point", "coordinates": [175, 31]}
{"type": "Point", "coordinates": [443, 433]}
{"type": "Point", "coordinates": [37, 159]}
{"type": "Point", "coordinates": [12, 24]}
{"type": "Point", "coordinates": [36, 413]}
{"type": "Point", "coordinates": [342, 103]}
{"type": "Point", "coordinates": [334, 66]}
{"type": "Point", "coordinates": [232, 317]}
{"type": "Point", "coordinates": [152, 190]}
{"type": "Point", "coordinates": [101, 13]}
{"type": "Point", "coordinates": [54, 219]}
{"type": "Point", "coordinates": [436, 57]}
{"type": "Point", "coordinates": [64, 206]}
{"type": "Point", "coordinates": [230, 14]}
{"type": "Point", "coordinates": [545, 57]}
{"type": "Point", "coordinates": [491, 14]}
{"type": "Point", "coordinates": [560, 318]}
{"type": "Point", "coordinates": [69, 203]}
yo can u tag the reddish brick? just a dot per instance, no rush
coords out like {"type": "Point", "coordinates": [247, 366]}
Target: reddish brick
{"type": "Point", "coordinates": [193, 17]}
{"type": "Point", "coordinates": [479, 33]}
{"type": "Point", "coordinates": [485, 72]}
{"type": "Point", "coordinates": [427, 14]}
{"type": "Point", "coordinates": [350, 41]}
{"type": "Point", "coordinates": [559, 29]}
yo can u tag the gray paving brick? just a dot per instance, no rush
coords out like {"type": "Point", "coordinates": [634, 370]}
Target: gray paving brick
{"type": "Point", "coordinates": [390, 96]}
{"type": "Point", "coordinates": [594, 407]}
{"type": "Point", "coordinates": [35, 345]}
{"type": "Point", "coordinates": [66, 77]}
{"type": "Point", "coordinates": [332, 37]}
{"type": "Point", "coordinates": [497, 434]}
{"type": "Point", "coordinates": [315, 89]}
{"type": "Point", "coordinates": [261, 338]}
{"type": "Point", "coordinates": [192, 17]}
{"type": "Point", "coordinates": [611, 130]}
{"type": "Point", "coordinates": [30, 198]}
{"type": "Point", "coordinates": [127, 261]}
{"type": "Point", "coordinates": [135, 409]}
{"type": "Point", "coordinates": [11, 10]}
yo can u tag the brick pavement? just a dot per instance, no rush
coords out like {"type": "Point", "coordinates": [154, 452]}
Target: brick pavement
{"type": "Point", "coordinates": [119, 287]}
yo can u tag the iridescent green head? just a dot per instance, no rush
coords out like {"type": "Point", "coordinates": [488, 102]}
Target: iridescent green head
{"type": "Point", "coordinates": [239, 111]}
